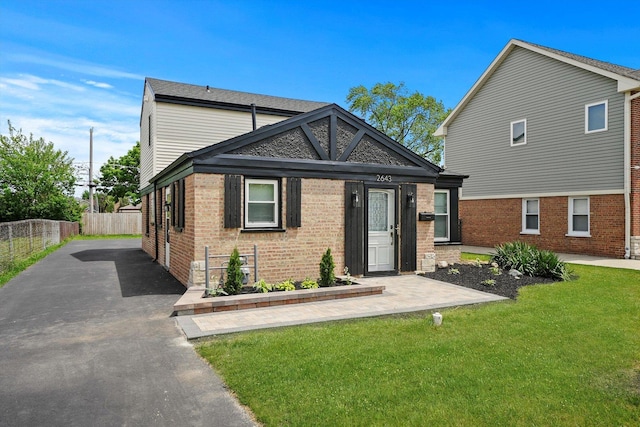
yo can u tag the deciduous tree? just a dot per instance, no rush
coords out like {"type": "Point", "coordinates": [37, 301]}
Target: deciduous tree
{"type": "Point", "coordinates": [120, 178]}
{"type": "Point", "coordinates": [409, 118]}
{"type": "Point", "coordinates": [36, 180]}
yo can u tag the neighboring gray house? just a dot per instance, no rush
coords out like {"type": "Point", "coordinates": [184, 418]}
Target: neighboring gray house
{"type": "Point", "coordinates": [551, 141]}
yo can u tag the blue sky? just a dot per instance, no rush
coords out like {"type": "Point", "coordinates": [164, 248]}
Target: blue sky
{"type": "Point", "coordinates": [66, 66]}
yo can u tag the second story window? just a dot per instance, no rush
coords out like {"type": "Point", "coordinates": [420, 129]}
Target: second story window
{"type": "Point", "coordinates": [595, 119]}
{"type": "Point", "coordinates": [519, 132]}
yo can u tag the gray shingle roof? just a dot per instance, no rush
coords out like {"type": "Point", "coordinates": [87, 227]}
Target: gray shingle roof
{"type": "Point", "coordinates": [165, 88]}
{"type": "Point", "coordinates": [607, 66]}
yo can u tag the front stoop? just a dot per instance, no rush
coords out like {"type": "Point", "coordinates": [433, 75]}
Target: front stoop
{"type": "Point", "coordinates": [193, 301]}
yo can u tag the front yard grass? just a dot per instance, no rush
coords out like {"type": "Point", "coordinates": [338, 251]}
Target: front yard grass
{"type": "Point", "coordinates": [566, 353]}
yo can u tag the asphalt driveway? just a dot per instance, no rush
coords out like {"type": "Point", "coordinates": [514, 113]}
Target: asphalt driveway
{"type": "Point", "coordinates": [87, 339]}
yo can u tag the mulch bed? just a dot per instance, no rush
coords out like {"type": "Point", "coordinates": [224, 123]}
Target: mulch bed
{"type": "Point", "coordinates": [471, 276]}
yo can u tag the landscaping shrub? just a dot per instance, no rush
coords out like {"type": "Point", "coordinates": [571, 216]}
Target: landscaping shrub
{"type": "Point", "coordinates": [287, 285]}
{"type": "Point", "coordinates": [327, 276]}
{"type": "Point", "coordinates": [233, 284]}
{"type": "Point", "coordinates": [262, 286]}
{"type": "Point", "coordinates": [531, 261]}
{"type": "Point", "coordinates": [309, 284]}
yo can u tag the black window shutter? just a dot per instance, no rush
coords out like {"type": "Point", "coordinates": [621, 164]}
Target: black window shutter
{"type": "Point", "coordinates": [354, 227]}
{"type": "Point", "coordinates": [232, 201]}
{"type": "Point", "coordinates": [454, 224]}
{"type": "Point", "coordinates": [174, 201]}
{"type": "Point", "coordinates": [294, 203]}
{"type": "Point", "coordinates": [408, 227]}
{"type": "Point", "coordinates": [181, 210]}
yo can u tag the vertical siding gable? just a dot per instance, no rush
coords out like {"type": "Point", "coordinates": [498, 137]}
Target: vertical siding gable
{"type": "Point", "coordinates": [558, 156]}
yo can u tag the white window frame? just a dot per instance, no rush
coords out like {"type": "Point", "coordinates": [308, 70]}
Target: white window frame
{"type": "Point", "coordinates": [276, 203]}
{"type": "Point", "coordinates": [447, 215]}
{"type": "Point", "coordinates": [571, 213]}
{"type": "Point", "coordinates": [526, 230]}
{"type": "Point", "coordinates": [606, 116]}
{"type": "Point", "coordinates": [524, 139]}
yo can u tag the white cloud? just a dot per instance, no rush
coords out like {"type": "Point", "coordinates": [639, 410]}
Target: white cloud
{"type": "Point", "coordinates": [64, 111]}
{"type": "Point", "coordinates": [98, 84]}
{"type": "Point", "coordinates": [71, 64]}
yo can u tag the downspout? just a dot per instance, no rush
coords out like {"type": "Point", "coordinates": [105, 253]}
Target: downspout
{"type": "Point", "coordinates": [627, 171]}
{"type": "Point", "coordinates": [253, 116]}
{"type": "Point", "coordinates": [155, 216]}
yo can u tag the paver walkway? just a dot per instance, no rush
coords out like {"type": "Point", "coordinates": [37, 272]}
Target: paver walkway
{"type": "Point", "coordinates": [403, 294]}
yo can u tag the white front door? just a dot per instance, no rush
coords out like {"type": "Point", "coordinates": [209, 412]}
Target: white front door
{"type": "Point", "coordinates": [381, 234]}
{"type": "Point", "coordinates": [167, 245]}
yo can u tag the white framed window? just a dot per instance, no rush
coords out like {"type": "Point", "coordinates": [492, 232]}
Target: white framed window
{"type": "Point", "coordinates": [596, 116]}
{"type": "Point", "coordinates": [530, 216]}
{"type": "Point", "coordinates": [261, 205]}
{"type": "Point", "coordinates": [519, 132]}
{"type": "Point", "coordinates": [579, 217]}
{"type": "Point", "coordinates": [441, 208]}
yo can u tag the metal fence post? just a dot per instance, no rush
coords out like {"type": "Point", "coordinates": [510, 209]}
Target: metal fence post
{"type": "Point", "coordinates": [255, 260]}
{"type": "Point", "coordinates": [206, 269]}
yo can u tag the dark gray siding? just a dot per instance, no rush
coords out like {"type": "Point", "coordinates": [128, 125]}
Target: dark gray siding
{"type": "Point", "coordinates": [558, 157]}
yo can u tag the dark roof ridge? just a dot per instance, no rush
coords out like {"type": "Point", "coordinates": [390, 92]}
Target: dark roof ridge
{"type": "Point", "coordinates": [604, 65]}
{"type": "Point", "coordinates": [173, 90]}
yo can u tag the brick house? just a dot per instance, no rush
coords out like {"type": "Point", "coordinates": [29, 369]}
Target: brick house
{"type": "Point", "coordinates": [551, 141]}
{"type": "Point", "coordinates": [320, 179]}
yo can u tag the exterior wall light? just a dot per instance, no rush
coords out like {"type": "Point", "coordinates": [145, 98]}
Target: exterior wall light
{"type": "Point", "coordinates": [411, 200]}
{"type": "Point", "coordinates": [355, 199]}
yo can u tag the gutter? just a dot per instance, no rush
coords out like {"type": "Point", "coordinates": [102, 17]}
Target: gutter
{"type": "Point", "coordinates": [155, 217]}
{"type": "Point", "coordinates": [627, 172]}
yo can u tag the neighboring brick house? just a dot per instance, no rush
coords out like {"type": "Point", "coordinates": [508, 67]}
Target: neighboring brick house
{"type": "Point", "coordinates": [551, 141]}
{"type": "Point", "coordinates": [322, 179]}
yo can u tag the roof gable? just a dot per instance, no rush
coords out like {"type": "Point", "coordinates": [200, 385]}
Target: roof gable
{"type": "Point", "coordinates": [328, 142]}
{"type": "Point", "coordinates": [627, 78]}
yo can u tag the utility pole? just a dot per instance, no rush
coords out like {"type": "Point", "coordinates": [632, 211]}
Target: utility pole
{"type": "Point", "coordinates": [91, 184]}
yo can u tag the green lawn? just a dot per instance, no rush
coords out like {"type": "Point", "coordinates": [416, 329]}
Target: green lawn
{"type": "Point", "coordinates": [562, 354]}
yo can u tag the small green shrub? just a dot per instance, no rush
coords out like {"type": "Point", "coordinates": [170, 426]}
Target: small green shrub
{"type": "Point", "coordinates": [488, 282]}
{"type": "Point", "coordinates": [233, 284]}
{"type": "Point", "coordinates": [454, 271]}
{"type": "Point", "coordinates": [327, 276]}
{"type": "Point", "coordinates": [262, 286]}
{"type": "Point", "coordinates": [531, 261]}
{"type": "Point", "coordinates": [477, 263]}
{"type": "Point", "coordinates": [309, 284]}
{"type": "Point", "coordinates": [287, 285]}
{"type": "Point", "coordinates": [495, 271]}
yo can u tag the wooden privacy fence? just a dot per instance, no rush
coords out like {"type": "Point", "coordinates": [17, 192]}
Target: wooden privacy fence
{"type": "Point", "coordinates": [112, 223]}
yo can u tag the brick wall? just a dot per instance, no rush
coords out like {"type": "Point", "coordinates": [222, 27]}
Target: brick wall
{"type": "Point", "coordinates": [492, 222]}
{"type": "Point", "coordinates": [294, 253]}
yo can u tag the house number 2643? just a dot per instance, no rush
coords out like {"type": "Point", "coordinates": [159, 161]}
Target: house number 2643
{"type": "Point", "coordinates": [383, 178]}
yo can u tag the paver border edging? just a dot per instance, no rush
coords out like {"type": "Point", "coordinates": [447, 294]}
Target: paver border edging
{"type": "Point", "coordinates": [193, 301]}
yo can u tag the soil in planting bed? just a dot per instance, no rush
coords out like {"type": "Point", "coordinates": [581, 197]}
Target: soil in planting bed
{"type": "Point", "coordinates": [472, 276]}
{"type": "Point", "coordinates": [249, 289]}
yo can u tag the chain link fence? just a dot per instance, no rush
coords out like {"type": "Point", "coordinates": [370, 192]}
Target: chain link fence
{"type": "Point", "coordinates": [21, 239]}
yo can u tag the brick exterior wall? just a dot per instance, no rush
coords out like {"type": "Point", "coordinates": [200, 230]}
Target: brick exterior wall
{"type": "Point", "coordinates": [294, 253]}
{"type": "Point", "coordinates": [495, 221]}
{"type": "Point", "coordinates": [635, 178]}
